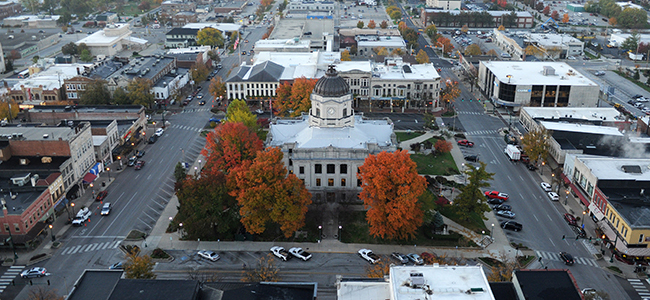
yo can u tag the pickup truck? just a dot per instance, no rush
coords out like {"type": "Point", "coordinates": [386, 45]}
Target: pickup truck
{"type": "Point", "coordinates": [82, 216]}
{"type": "Point", "coordinates": [369, 256]}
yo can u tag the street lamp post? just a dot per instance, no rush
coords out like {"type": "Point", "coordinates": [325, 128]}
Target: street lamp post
{"type": "Point", "coordinates": [52, 233]}
{"type": "Point", "coordinates": [340, 231]}
{"type": "Point", "coordinates": [180, 231]}
{"type": "Point", "coordinates": [584, 213]}
{"type": "Point", "coordinates": [491, 231]}
{"type": "Point", "coordinates": [11, 238]}
{"type": "Point", "coordinates": [73, 212]}
{"type": "Point", "coordinates": [611, 259]}
{"type": "Point", "coordinates": [541, 170]}
{"type": "Point", "coordinates": [320, 232]}
{"type": "Point", "coordinates": [566, 200]}
{"type": "Point", "coordinates": [109, 173]}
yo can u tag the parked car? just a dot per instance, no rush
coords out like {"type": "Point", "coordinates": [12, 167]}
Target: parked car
{"type": "Point", "coordinates": [139, 153]}
{"type": "Point", "coordinates": [34, 272]}
{"type": "Point", "coordinates": [211, 255]}
{"type": "Point", "coordinates": [299, 253]}
{"type": "Point", "coordinates": [512, 225]}
{"type": "Point", "coordinates": [101, 196]}
{"type": "Point", "coordinates": [473, 158]}
{"type": "Point", "coordinates": [496, 194]}
{"type": "Point", "coordinates": [153, 139]}
{"type": "Point", "coordinates": [503, 207]}
{"type": "Point", "coordinates": [400, 257]}
{"type": "Point", "coordinates": [545, 186]}
{"type": "Point", "coordinates": [599, 73]}
{"type": "Point", "coordinates": [368, 255]}
{"type": "Point", "coordinates": [200, 96]}
{"type": "Point", "coordinates": [132, 160]}
{"type": "Point", "coordinates": [116, 266]}
{"type": "Point", "coordinates": [106, 209]}
{"type": "Point", "coordinates": [280, 253]}
{"type": "Point", "coordinates": [506, 214]}
{"type": "Point", "coordinates": [567, 258]}
{"type": "Point", "coordinates": [495, 201]}
{"type": "Point", "coordinates": [416, 259]}
{"type": "Point", "coordinates": [465, 143]}
{"type": "Point", "coordinates": [139, 164]}
{"type": "Point", "coordinates": [82, 216]}
{"type": "Point", "coordinates": [569, 218]}
{"type": "Point", "coordinates": [553, 196]}
{"type": "Point", "coordinates": [159, 131]}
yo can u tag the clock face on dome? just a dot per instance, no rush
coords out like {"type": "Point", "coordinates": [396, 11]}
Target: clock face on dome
{"type": "Point", "coordinates": [330, 111]}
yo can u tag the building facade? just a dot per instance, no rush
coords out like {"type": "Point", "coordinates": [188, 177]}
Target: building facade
{"type": "Point", "coordinates": [182, 18]}
{"type": "Point", "coordinates": [445, 4]}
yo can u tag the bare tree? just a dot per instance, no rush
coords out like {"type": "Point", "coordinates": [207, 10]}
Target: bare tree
{"type": "Point", "coordinates": [43, 293]}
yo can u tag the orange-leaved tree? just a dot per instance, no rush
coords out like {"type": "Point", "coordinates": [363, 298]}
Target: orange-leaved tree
{"type": "Point", "coordinates": [445, 43]}
{"type": "Point", "coordinates": [293, 99]}
{"type": "Point", "coordinates": [267, 194]}
{"type": "Point", "coordinates": [391, 187]}
{"type": "Point", "coordinates": [443, 146]}
{"type": "Point", "coordinates": [217, 87]}
{"type": "Point", "coordinates": [450, 92]}
{"type": "Point", "coordinates": [229, 145]}
{"type": "Point", "coordinates": [372, 24]}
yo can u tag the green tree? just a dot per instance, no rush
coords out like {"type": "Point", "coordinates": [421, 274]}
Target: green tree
{"type": "Point", "coordinates": [431, 31]}
{"type": "Point", "coordinates": [69, 49]}
{"type": "Point", "coordinates": [535, 144]}
{"type": "Point", "coordinates": [383, 24]}
{"type": "Point", "coordinates": [360, 24]}
{"type": "Point", "coordinates": [85, 56]}
{"type": "Point", "coordinates": [473, 49]}
{"type": "Point", "coordinates": [471, 198]}
{"type": "Point", "coordinates": [238, 112]}
{"type": "Point", "coordinates": [140, 92]}
{"type": "Point", "coordinates": [199, 73]}
{"type": "Point", "coordinates": [179, 172]}
{"type": "Point", "coordinates": [209, 37]}
{"type": "Point", "coordinates": [120, 97]}
{"type": "Point", "coordinates": [422, 57]}
{"type": "Point", "coordinates": [139, 267]}
{"type": "Point", "coordinates": [631, 43]}
{"type": "Point", "coordinates": [96, 93]}
{"type": "Point", "coordinates": [31, 5]}
{"type": "Point", "coordinates": [636, 75]}
{"type": "Point", "coordinates": [632, 18]}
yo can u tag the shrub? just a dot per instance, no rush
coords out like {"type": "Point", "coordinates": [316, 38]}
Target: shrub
{"type": "Point", "coordinates": [159, 253]}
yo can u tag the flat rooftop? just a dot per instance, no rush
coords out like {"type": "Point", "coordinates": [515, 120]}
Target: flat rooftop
{"type": "Point", "coordinates": [576, 113]}
{"type": "Point", "coordinates": [446, 282]}
{"type": "Point", "coordinates": [299, 64]}
{"type": "Point", "coordinates": [581, 128]}
{"type": "Point", "coordinates": [100, 38]}
{"type": "Point", "coordinates": [53, 133]}
{"type": "Point", "coordinates": [223, 27]}
{"type": "Point", "coordinates": [346, 66]}
{"type": "Point", "coordinates": [293, 43]}
{"type": "Point", "coordinates": [52, 77]}
{"type": "Point", "coordinates": [614, 168]}
{"type": "Point", "coordinates": [530, 73]}
{"type": "Point", "coordinates": [557, 284]}
{"type": "Point", "coordinates": [406, 72]}
{"type": "Point", "coordinates": [550, 39]}
{"type": "Point", "coordinates": [100, 109]}
{"type": "Point", "coordinates": [383, 41]}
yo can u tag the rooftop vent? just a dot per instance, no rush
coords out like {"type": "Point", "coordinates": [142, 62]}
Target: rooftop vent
{"type": "Point", "coordinates": [548, 71]}
{"type": "Point", "coordinates": [631, 169]}
{"type": "Point", "coordinates": [417, 280]}
{"type": "Point", "coordinates": [45, 136]}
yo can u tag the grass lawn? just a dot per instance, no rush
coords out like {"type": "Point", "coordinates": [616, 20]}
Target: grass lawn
{"type": "Point", "coordinates": [355, 230]}
{"type": "Point", "coordinates": [405, 136]}
{"type": "Point", "coordinates": [129, 9]}
{"type": "Point", "coordinates": [441, 164]}
{"type": "Point", "coordinates": [475, 222]}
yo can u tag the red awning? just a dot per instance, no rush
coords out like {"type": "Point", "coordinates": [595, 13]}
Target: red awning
{"type": "Point", "coordinates": [90, 177]}
{"type": "Point", "coordinates": [582, 197]}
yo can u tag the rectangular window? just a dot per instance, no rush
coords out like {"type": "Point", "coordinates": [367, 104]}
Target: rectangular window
{"type": "Point", "coordinates": [318, 169]}
{"type": "Point", "coordinates": [343, 182]}
{"type": "Point", "coordinates": [6, 227]}
{"type": "Point", "coordinates": [330, 182]}
{"type": "Point", "coordinates": [343, 169]}
{"type": "Point", "coordinates": [16, 227]}
{"type": "Point", "coordinates": [317, 181]}
{"type": "Point", "coordinates": [302, 170]}
{"type": "Point", "coordinates": [331, 169]}
{"type": "Point", "coordinates": [358, 182]}
{"type": "Point", "coordinates": [641, 238]}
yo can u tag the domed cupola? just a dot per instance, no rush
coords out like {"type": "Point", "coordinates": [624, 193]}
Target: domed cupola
{"type": "Point", "coordinates": [331, 102]}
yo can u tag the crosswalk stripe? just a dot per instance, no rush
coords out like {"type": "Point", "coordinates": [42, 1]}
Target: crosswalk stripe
{"type": "Point", "coordinates": [92, 248]}
{"type": "Point", "coordinates": [117, 243]}
{"type": "Point", "coordinates": [16, 267]}
{"type": "Point", "coordinates": [74, 250]}
{"type": "Point", "coordinates": [103, 245]}
{"type": "Point", "coordinates": [7, 279]}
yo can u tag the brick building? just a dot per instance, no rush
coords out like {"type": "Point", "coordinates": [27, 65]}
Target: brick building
{"type": "Point", "coordinates": [8, 9]}
{"type": "Point", "coordinates": [182, 18]}
{"type": "Point", "coordinates": [458, 18]}
{"type": "Point", "coordinates": [171, 7]}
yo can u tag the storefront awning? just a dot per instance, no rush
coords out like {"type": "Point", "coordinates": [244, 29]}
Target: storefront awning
{"type": "Point", "coordinates": [96, 169]}
{"type": "Point", "coordinates": [90, 177]}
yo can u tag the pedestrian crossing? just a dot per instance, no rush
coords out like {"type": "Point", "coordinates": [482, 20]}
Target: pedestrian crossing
{"type": "Point", "coordinates": [191, 110]}
{"type": "Point", "coordinates": [556, 257]}
{"type": "Point", "coordinates": [640, 288]}
{"type": "Point", "coordinates": [470, 113]}
{"type": "Point", "coordinates": [185, 127]}
{"type": "Point", "coordinates": [481, 132]}
{"type": "Point", "coordinates": [9, 276]}
{"type": "Point", "coordinates": [90, 247]}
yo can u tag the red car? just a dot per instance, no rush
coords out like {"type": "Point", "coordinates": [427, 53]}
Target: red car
{"type": "Point", "coordinates": [139, 164]}
{"type": "Point", "coordinates": [101, 196]}
{"type": "Point", "coordinates": [466, 143]}
{"type": "Point", "coordinates": [497, 195]}
{"type": "Point", "coordinates": [569, 218]}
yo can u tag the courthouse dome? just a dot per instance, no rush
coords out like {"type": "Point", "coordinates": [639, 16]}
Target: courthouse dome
{"type": "Point", "coordinates": [331, 85]}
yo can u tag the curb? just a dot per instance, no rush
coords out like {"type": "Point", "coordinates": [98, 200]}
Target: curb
{"type": "Point", "coordinates": [32, 262]}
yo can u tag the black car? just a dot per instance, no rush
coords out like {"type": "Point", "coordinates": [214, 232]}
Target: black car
{"type": "Point", "coordinates": [153, 139]}
{"type": "Point", "coordinates": [531, 167]}
{"type": "Point", "coordinates": [139, 153]}
{"type": "Point", "coordinates": [512, 225]}
{"type": "Point", "coordinates": [503, 207]}
{"type": "Point", "coordinates": [473, 158]}
{"type": "Point", "coordinates": [567, 258]}
{"type": "Point", "coordinates": [637, 96]}
{"type": "Point", "coordinates": [496, 201]}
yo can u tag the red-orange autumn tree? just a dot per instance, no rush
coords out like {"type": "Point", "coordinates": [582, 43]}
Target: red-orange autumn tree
{"type": "Point", "coordinates": [229, 145]}
{"type": "Point", "coordinates": [443, 146]}
{"type": "Point", "coordinates": [391, 187]}
{"type": "Point", "coordinates": [267, 193]}
{"type": "Point", "coordinates": [293, 99]}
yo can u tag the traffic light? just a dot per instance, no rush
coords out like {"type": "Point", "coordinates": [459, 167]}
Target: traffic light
{"type": "Point", "coordinates": [563, 237]}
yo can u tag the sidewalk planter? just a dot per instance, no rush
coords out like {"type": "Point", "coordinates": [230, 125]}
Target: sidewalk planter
{"type": "Point", "coordinates": [38, 258]}
{"type": "Point", "coordinates": [135, 235]}
{"type": "Point", "coordinates": [8, 262]}
{"type": "Point", "coordinates": [159, 256]}
{"type": "Point", "coordinates": [56, 245]}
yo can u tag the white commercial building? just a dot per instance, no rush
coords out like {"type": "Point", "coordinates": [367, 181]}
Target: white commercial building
{"type": "Point", "coordinates": [366, 44]}
{"type": "Point", "coordinates": [112, 39]}
{"type": "Point", "coordinates": [537, 84]}
{"type": "Point", "coordinates": [420, 282]}
{"type": "Point", "coordinates": [555, 46]}
{"type": "Point", "coordinates": [283, 45]}
{"type": "Point", "coordinates": [223, 27]}
{"type": "Point", "coordinates": [325, 147]}
{"type": "Point", "coordinates": [306, 5]}
{"type": "Point", "coordinates": [401, 85]}
{"type": "Point", "coordinates": [445, 4]}
{"type": "Point", "coordinates": [617, 39]}
{"type": "Point", "coordinates": [601, 116]}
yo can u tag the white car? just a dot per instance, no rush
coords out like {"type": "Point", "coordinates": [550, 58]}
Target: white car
{"type": "Point", "coordinates": [415, 258]}
{"type": "Point", "coordinates": [299, 253]}
{"type": "Point", "coordinates": [106, 209]}
{"type": "Point", "coordinates": [553, 196]}
{"type": "Point", "coordinates": [281, 253]}
{"type": "Point", "coordinates": [81, 217]}
{"type": "Point", "coordinates": [211, 255]}
{"type": "Point", "coordinates": [34, 272]}
{"type": "Point", "coordinates": [159, 131]}
{"type": "Point", "coordinates": [369, 256]}
{"type": "Point", "coordinates": [545, 186]}
{"type": "Point", "coordinates": [506, 214]}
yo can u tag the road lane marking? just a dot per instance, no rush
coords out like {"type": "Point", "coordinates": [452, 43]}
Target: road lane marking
{"type": "Point", "coordinates": [552, 242]}
{"type": "Point", "coordinates": [74, 250]}
{"type": "Point", "coordinates": [93, 247]}
{"type": "Point", "coordinates": [100, 237]}
{"type": "Point", "coordinates": [146, 214]}
{"type": "Point", "coordinates": [122, 210]}
{"type": "Point", "coordinates": [536, 217]}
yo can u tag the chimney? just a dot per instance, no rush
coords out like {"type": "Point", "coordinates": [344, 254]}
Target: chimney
{"type": "Point", "coordinates": [78, 73]}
